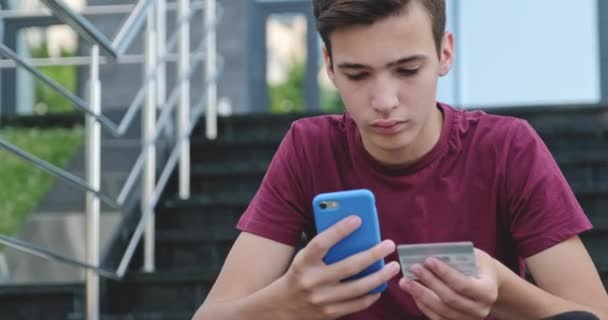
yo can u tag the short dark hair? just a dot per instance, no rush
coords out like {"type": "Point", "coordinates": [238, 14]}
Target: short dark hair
{"type": "Point", "coordinates": [334, 14]}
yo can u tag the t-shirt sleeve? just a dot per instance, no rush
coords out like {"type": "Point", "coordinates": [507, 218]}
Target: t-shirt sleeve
{"type": "Point", "coordinates": [542, 207]}
{"type": "Point", "coordinates": [278, 209]}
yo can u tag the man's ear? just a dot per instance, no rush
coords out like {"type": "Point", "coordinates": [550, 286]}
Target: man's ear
{"type": "Point", "coordinates": [447, 56]}
{"type": "Point", "coordinates": [329, 68]}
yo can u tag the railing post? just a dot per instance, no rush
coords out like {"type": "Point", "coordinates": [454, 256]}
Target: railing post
{"type": "Point", "coordinates": [93, 165]}
{"type": "Point", "coordinates": [148, 130]}
{"type": "Point", "coordinates": [211, 69]}
{"type": "Point", "coordinates": [183, 118]}
{"type": "Point", "coordinates": [161, 48]}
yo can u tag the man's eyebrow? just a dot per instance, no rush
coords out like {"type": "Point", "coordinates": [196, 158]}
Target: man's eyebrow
{"type": "Point", "coordinates": [351, 65]}
{"type": "Point", "coordinates": [414, 58]}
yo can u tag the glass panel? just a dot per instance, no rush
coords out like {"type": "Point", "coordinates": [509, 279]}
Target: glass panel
{"type": "Point", "coordinates": [286, 62]}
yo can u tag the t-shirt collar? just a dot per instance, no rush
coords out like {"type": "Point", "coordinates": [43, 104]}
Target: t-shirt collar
{"type": "Point", "coordinates": [437, 150]}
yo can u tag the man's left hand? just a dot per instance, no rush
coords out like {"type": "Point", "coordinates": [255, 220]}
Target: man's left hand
{"type": "Point", "coordinates": [442, 292]}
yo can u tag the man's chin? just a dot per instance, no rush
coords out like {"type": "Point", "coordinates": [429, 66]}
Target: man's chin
{"type": "Point", "coordinates": [398, 141]}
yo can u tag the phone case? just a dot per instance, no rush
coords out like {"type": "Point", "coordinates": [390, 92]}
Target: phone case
{"type": "Point", "coordinates": [353, 202]}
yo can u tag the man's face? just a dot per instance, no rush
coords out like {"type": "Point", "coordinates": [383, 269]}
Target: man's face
{"type": "Point", "coordinates": [387, 76]}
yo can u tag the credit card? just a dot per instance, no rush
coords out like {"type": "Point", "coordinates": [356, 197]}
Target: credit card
{"type": "Point", "coordinates": [458, 255]}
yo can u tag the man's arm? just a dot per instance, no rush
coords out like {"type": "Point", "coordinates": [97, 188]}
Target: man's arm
{"type": "Point", "coordinates": [257, 280]}
{"type": "Point", "coordinates": [252, 264]}
{"type": "Point", "coordinates": [567, 280]}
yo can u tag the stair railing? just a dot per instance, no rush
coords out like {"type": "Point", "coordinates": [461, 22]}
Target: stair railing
{"type": "Point", "coordinates": [150, 98]}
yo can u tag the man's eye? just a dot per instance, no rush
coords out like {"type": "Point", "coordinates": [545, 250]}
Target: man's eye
{"type": "Point", "coordinates": [358, 76]}
{"type": "Point", "coordinates": [408, 72]}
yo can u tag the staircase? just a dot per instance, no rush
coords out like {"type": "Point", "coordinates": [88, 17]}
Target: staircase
{"type": "Point", "coordinates": [194, 235]}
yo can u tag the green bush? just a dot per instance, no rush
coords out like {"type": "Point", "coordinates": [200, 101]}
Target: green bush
{"type": "Point", "coordinates": [24, 185]}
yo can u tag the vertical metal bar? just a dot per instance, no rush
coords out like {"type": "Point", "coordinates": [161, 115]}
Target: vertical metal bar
{"type": "Point", "coordinates": [93, 165]}
{"type": "Point", "coordinates": [183, 118]}
{"type": "Point", "coordinates": [148, 128]}
{"type": "Point", "coordinates": [8, 85]}
{"type": "Point", "coordinates": [211, 69]}
{"type": "Point", "coordinates": [258, 55]}
{"type": "Point", "coordinates": [311, 86]}
{"type": "Point", "coordinates": [161, 47]}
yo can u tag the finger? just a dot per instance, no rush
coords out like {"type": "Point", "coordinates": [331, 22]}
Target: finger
{"type": "Point", "coordinates": [448, 296]}
{"type": "Point", "coordinates": [457, 281]}
{"type": "Point", "coordinates": [358, 262]}
{"type": "Point", "coordinates": [360, 287]}
{"type": "Point", "coordinates": [317, 248]}
{"type": "Point", "coordinates": [428, 312]}
{"type": "Point", "coordinates": [425, 296]}
{"type": "Point", "coordinates": [341, 309]}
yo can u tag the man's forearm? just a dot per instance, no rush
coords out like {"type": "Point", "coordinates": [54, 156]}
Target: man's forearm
{"type": "Point", "coordinates": [519, 299]}
{"type": "Point", "coordinates": [229, 310]}
{"type": "Point", "coordinates": [259, 305]}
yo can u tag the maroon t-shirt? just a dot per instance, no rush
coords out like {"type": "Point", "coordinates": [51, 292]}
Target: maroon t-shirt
{"type": "Point", "coordinates": [489, 179]}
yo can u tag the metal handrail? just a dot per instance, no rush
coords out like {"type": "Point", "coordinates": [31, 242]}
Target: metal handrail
{"type": "Point", "coordinates": [136, 237]}
{"type": "Point", "coordinates": [120, 130]}
{"type": "Point", "coordinates": [58, 172]}
{"type": "Point", "coordinates": [81, 24]}
{"type": "Point", "coordinates": [110, 9]}
{"type": "Point", "coordinates": [139, 97]}
{"type": "Point", "coordinates": [167, 108]}
{"type": "Point", "coordinates": [113, 128]}
{"type": "Point", "coordinates": [47, 254]}
{"type": "Point", "coordinates": [131, 27]}
{"type": "Point", "coordinates": [82, 105]}
{"type": "Point", "coordinates": [154, 86]}
{"type": "Point", "coordinates": [44, 12]}
{"type": "Point", "coordinates": [84, 61]}
{"type": "Point", "coordinates": [162, 122]}
{"type": "Point", "coordinates": [77, 101]}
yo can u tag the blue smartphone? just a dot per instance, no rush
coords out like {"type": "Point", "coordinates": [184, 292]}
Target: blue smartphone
{"type": "Point", "coordinates": [329, 208]}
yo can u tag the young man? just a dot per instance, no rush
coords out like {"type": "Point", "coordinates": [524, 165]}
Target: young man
{"type": "Point", "coordinates": [439, 174]}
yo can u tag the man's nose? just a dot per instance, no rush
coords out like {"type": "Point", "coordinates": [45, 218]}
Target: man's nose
{"type": "Point", "coordinates": [385, 100]}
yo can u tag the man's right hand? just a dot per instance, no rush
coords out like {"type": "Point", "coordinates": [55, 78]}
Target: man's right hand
{"type": "Point", "coordinates": [311, 289]}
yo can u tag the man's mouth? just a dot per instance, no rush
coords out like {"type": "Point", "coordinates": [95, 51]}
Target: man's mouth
{"type": "Point", "coordinates": [387, 127]}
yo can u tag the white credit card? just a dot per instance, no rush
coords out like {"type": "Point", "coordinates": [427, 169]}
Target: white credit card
{"type": "Point", "coordinates": [458, 255]}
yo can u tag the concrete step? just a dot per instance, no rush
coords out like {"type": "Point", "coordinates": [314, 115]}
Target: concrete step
{"type": "Point", "coordinates": [198, 201]}
{"type": "Point", "coordinates": [139, 316]}
{"type": "Point", "coordinates": [595, 241]}
{"type": "Point", "coordinates": [192, 249]}
{"type": "Point", "coordinates": [175, 291]}
{"type": "Point", "coordinates": [247, 150]}
{"type": "Point", "coordinates": [217, 184]}
{"type": "Point", "coordinates": [29, 302]}
{"type": "Point", "coordinates": [563, 121]}
{"type": "Point", "coordinates": [253, 125]}
{"type": "Point", "coordinates": [183, 216]}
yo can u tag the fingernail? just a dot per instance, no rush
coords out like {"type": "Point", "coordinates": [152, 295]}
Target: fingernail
{"type": "Point", "coordinates": [388, 244]}
{"type": "Point", "coordinates": [394, 266]}
{"type": "Point", "coordinates": [353, 220]}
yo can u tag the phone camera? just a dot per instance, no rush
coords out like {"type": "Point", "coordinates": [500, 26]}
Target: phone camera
{"type": "Point", "coordinates": [323, 205]}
